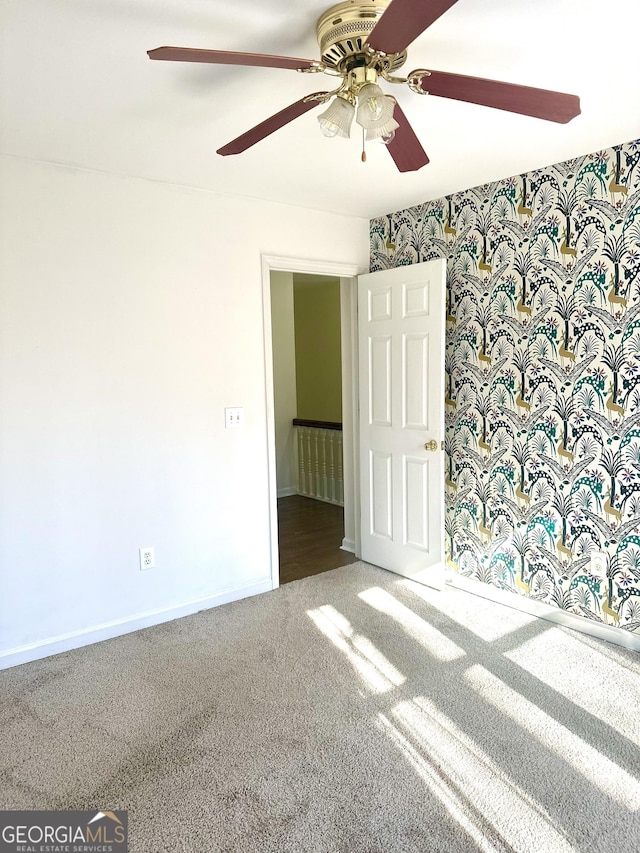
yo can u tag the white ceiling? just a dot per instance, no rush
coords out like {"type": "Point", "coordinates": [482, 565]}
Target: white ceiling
{"type": "Point", "coordinates": [77, 88]}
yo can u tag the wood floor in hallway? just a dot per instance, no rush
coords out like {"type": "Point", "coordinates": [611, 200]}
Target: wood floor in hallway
{"type": "Point", "coordinates": [310, 534]}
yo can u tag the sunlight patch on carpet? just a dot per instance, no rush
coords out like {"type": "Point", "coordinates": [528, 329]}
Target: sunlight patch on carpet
{"type": "Point", "coordinates": [599, 770]}
{"type": "Point", "coordinates": [489, 794]}
{"type": "Point", "coordinates": [482, 619]}
{"type": "Point", "coordinates": [434, 641]}
{"type": "Point", "coordinates": [561, 662]}
{"type": "Point", "coordinates": [378, 673]}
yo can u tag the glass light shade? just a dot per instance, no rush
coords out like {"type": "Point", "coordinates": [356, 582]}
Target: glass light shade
{"type": "Point", "coordinates": [336, 119]}
{"type": "Point", "coordinates": [369, 118]}
{"type": "Point", "coordinates": [370, 104]}
{"type": "Point", "coordinates": [383, 131]}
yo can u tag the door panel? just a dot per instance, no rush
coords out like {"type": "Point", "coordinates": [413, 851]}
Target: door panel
{"type": "Point", "coordinates": [401, 342]}
{"type": "Point", "coordinates": [416, 502]}
{"type": "Point", "coordinates": [381, 522]}
{"type": "Point", "coordinates": [380, 371]}
{"type": "Point", "coordinates": [415, 376]}
{"type": "Point", "coordinates": [415, 300]}
{"type": "Point", "coordinates": [379, 303]}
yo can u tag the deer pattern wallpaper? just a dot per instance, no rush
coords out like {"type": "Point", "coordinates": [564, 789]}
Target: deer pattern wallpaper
{"type": "Point", "coordinates": [542, 378]}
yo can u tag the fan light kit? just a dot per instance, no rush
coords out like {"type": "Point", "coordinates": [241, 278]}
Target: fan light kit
{"type": "Point", "coordinates": [363, 42]}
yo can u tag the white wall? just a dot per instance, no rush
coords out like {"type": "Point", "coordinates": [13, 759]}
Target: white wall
{"type": "Point", "coordinates": [284, 379]}
{"type": "Point", "coordinates": [130, 316]}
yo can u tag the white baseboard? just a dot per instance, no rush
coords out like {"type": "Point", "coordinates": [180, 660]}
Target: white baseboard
{"type": "Point", "coordinates": [321, 500]}
{"type": "Point", "coordinates": [287, 492]}
{"type": "Point", "coordinates": [348, 545]}
{"type": "Point", "coordinates": [108, 630]}
{"type": "Point", "coordinates": [546, 611]}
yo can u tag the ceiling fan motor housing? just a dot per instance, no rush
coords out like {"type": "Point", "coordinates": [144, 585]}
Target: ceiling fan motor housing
{"type": "Point", "coordinates": [343, 32]}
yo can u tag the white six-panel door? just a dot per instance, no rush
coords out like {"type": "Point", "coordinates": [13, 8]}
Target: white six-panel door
{"type": "Point", "coordinates": [401, 320]}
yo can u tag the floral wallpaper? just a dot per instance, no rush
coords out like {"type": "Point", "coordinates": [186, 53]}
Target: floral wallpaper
{"type": "Point", "coordinates": [542, 377]}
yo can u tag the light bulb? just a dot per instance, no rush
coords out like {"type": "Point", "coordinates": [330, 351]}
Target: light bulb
{"type": "Point", "coordinates": [328, 128]}
{"type": "Point", "coordinates": [383, 113]}
{"type": "Point", "coordinates": [371, 101]}
{"type": "Point", "coordinates": [372, 106]}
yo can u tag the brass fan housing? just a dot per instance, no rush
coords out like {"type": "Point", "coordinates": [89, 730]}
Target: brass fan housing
{"type": "Point", "coordinates": [343, 32]}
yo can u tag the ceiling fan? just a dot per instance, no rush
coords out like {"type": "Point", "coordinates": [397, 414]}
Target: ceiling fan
{"type": "Point", "coordinates": [361, 42]}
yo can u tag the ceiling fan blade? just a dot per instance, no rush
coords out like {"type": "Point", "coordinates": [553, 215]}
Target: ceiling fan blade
{"type": "Point", "coordinates": [403, 21]}
{"type": "Point", "coordinates": [405, 148]}
{"type": "Point", "coordinates": [227, 57]}
{"type": "Point", "coordinates": [270, 125]}
{"type": "Point", "coordinates": [539, 103]}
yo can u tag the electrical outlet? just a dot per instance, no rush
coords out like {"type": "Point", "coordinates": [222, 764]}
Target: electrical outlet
{"type": "Point", "coordinates": [599, 562]}
{"type": "Point", "coordinates": [147, 559]}
{"type": "Point", "coordinates": [234, 417]}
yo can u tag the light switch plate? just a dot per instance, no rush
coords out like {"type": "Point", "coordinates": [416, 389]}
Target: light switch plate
{"type": "Point", "coordinates": [233, 417]}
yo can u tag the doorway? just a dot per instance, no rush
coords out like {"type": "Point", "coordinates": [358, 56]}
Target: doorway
{"type": "Point", "coordinates": [285, 508]}
{"type": "Point", "coordinates": [310, 533]}
{"type": "Point", "coordinates": [307, 369]}
{"type": "Point", "coordinates": [308, 423]}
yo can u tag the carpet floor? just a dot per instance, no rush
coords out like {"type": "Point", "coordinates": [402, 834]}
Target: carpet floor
{"type": "Point", "coordinates": [349, 712]}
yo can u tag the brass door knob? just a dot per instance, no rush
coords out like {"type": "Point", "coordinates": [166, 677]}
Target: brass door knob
{"type": "Point", "coordinates": [431, 445]}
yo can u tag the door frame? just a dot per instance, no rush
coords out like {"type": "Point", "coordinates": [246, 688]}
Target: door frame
{"type": "Point", "coordinates": [347, 273]}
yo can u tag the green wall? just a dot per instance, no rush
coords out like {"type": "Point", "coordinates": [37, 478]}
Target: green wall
{"type": "Point", "coordinates": [317, 336]}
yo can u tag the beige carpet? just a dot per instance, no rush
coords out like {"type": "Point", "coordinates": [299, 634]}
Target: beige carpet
{"type": "Point", "coordinates": [351, 712]}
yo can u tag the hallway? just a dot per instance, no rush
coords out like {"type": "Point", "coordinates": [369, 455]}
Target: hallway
{"type": "Point", "coordinates": [310, 533]}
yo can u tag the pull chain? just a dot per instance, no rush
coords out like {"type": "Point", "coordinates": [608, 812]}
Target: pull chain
{"type": "Point", "coordinates": [364, 153]}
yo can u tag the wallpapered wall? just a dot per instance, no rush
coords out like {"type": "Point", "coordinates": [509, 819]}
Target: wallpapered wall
{"type": "Point", "coordinates": [542, 377]}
